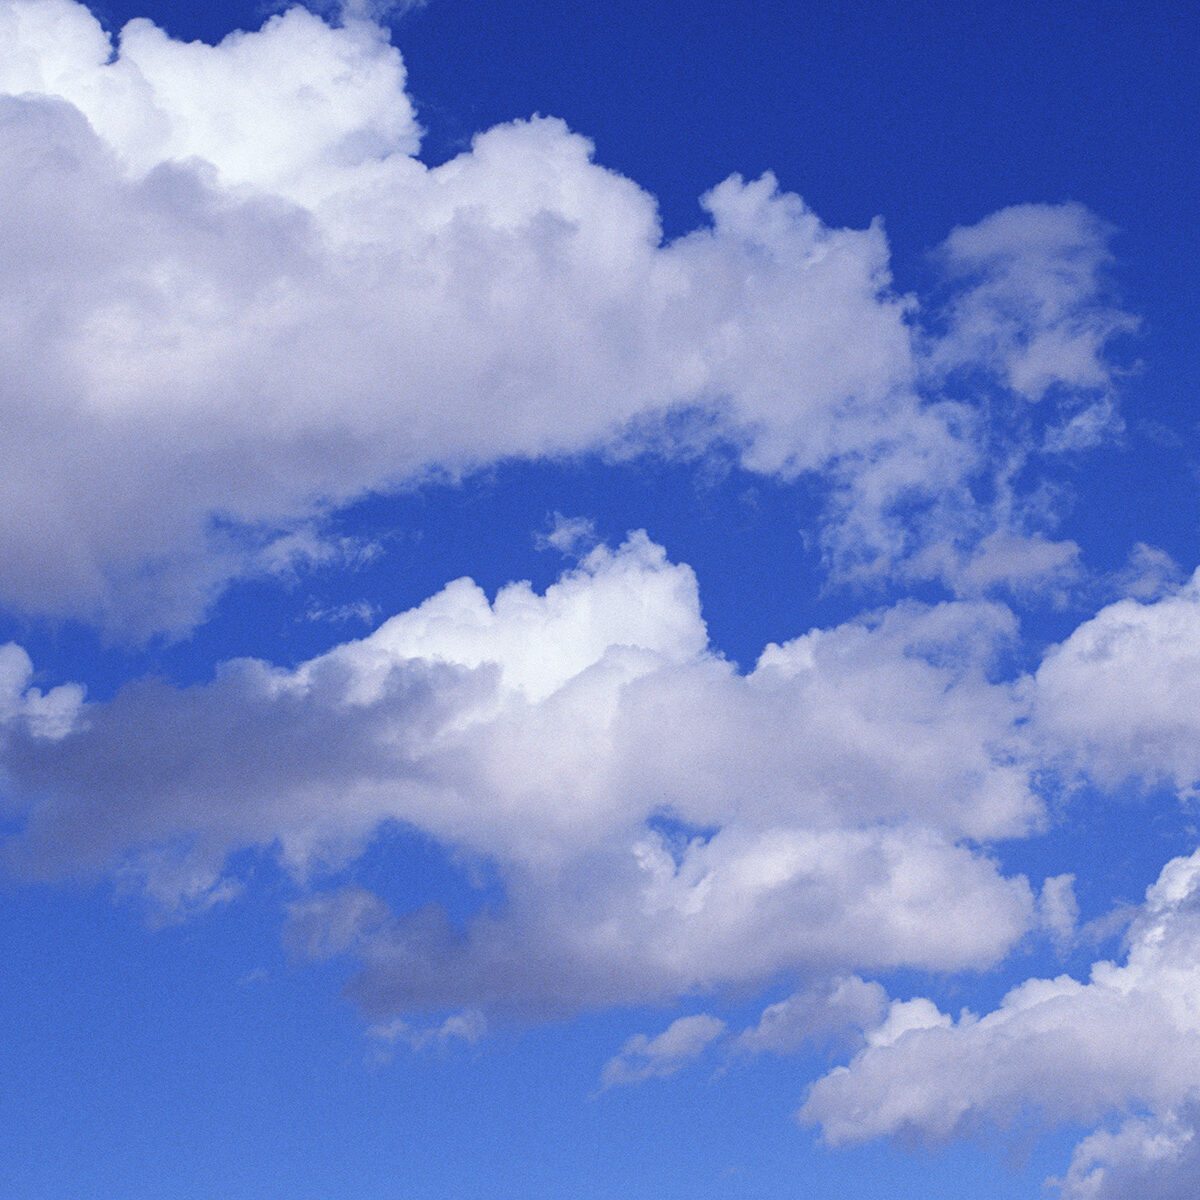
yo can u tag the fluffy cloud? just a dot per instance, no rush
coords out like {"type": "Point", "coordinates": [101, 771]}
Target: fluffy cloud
{"type": "Point", "coordinates": [1119, 698]}
{"type": "Point", "coordinates": [233, 299]}
{"type": "Point", "coordinates": [660, 823]}
{"type": "Point", "coordinates": [1128, 1038]}
{"type": "Point", "coordinates": [1158, 1159]}
{"type": "Point", "coordinates": [43, 715]}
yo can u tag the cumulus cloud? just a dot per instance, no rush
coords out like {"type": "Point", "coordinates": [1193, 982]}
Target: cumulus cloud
{"type": "Point", "coordinates": [44, 715]}
{"type": "Point", "coordinates": [643, 1057]}
{"type": "Point", "coordinates": [1156, 1158]}
{"type": "Point", "coordinates": [234, 299]}
{"type": "Point", "coordinates": [660, 823]}
{"type": "Point", "coordinates": [1126, 1039]}
{"type": "Point", "coordinates": [1119, 699]}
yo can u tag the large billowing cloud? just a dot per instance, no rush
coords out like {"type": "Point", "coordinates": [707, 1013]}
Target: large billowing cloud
{"type": "Point", "coordinates": [659, 822]}
{"type": "Point", "coordinates": [231, 298]}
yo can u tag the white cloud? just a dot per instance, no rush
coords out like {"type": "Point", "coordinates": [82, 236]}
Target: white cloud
{"type": "Point", "coordinates": [1120, 698]}
{"type": "Point", "coordinates": [1058, 909]}
{"type": "Point", "coordinates": [1127, 1039]}
{"type": "Point", "coordinates": [178, 883]}
{"type": "Point", "coordinates": [361, 611]}
{"type": "Point", "coordinates": [1036, 311]}
{"type": "Point", "coordinates": [643, 1057]}
{"type": "Point", "coordinates": [1152, 1159]}
{"type": "Point", "coordinates": [660, 823]}
{"type": "Point", "coordinates": [289, 110]}
{"type": "Point", "coordinates": [232, 299]}
{"type": "Point", "coordinates": [568, 535]}
{"type": "Point", "coordinates": [839, 1009]}
{"type": "Point", "coordinates": [905, 1016]}
{"type": "Point", "coordinates": [1149, 574]}
{"type": "Point", "coordinates": [46, 715]}
{"type": "Point", "coordinates": [467, 1027]}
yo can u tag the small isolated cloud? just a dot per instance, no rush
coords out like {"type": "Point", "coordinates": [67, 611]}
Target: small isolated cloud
{"type": "Point", "coordinates": [177, 883]}
{"type": "Point", "coordinates": [568, 535]}
{"type": "Point", "coordinates": [364, 612]}
{"type": "Point", "coordinates": [466, 1027]}
{"type": "Point", "coordinates": [306, 549]}
{"type": "Point", "coordinates": [838, 1010]}
{"type": "Point", "coordinates": [1030, 267]}
{"type": "Point", "coordinates": [643, 1057]}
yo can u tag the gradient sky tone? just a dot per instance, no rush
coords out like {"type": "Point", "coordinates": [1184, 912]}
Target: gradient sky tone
{"type": "Point", "coordinates": [599, 602]}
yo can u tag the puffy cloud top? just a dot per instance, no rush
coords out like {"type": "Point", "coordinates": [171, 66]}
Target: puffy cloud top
{"type": "Point", "coordinates": [1119, 698]}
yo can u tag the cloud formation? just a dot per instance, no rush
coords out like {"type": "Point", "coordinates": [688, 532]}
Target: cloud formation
{"type": "Point", "coordinates": [1126, 1039]}
{"type": "Point", "coordinates": [234, 299]}
{"type": "Point", "coordinates": [643, 1057]}
{"type": "Point", "coordinates": [838, 1009]}
{"type": "Point", "coordinates": [253, 303]}
{"type": "Point", "coordinates": [661, 824]}
{"type": "Point", "coordinates": [42, 715]}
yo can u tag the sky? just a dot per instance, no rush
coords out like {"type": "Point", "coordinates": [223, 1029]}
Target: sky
{"type": "Point", "coordinates": [599, 601]}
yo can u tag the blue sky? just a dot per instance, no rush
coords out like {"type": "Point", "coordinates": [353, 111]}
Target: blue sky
{"type": "Point", "coordinates": [599, 602]}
